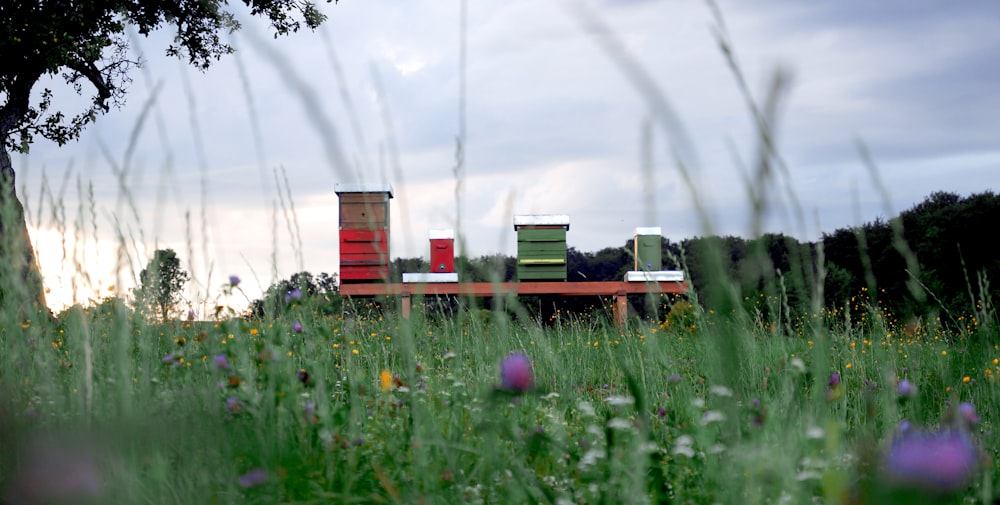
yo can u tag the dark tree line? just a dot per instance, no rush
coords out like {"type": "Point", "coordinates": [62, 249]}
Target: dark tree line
{"type": "Point", "coordinates": [935, 257]}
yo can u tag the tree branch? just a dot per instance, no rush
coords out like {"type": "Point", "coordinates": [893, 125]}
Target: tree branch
{"type": "Point", "coordinates": [93, 74]}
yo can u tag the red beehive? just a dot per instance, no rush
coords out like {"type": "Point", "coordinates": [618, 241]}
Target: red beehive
{"type": "Point", "coordinates": [442, 251]}
{"type": "Point", "coordinates": [364, 232]}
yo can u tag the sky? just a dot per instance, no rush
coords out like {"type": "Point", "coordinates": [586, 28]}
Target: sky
{"type": "Point", "coordinates": [617, 113]}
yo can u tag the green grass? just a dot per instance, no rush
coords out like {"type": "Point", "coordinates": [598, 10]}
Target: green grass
{"type": "Point", "coordinates": [632, 415]}
{"type": "Point", "coordinates": [104, 406]}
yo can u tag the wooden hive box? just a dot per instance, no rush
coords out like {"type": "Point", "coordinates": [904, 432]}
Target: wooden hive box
{"type": "Point", "coordinates": [541, 246]}
{"type": "Point", "coordinates": [364, 232]}
{"type": "Point", "coordinates": [648, 248]}
{"type": "Point", "coordinates": [442, 251]}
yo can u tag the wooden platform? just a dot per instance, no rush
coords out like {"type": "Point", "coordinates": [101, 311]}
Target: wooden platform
{"type": "Point", "coordinates": [618, 289]}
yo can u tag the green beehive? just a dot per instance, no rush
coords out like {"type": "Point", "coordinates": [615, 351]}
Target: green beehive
{"type": "Point", "coordinates": [541, 246]}
{"type": "Point", "coordinates": [648, 249]}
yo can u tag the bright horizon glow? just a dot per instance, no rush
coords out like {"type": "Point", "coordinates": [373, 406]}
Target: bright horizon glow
{"type": "Point", "coordinates": [85, 272]}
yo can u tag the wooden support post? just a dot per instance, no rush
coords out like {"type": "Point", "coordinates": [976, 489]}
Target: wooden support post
{"type": "Point", "coordinates": [404, 300]}
{"type": "Point", "coordinates": [620, 308]}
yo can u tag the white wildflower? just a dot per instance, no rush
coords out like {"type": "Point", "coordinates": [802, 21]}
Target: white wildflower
{"type": "Point", "coordinates": [712, 416]}
{"type": "Point", "coordinates": [619, 423]}
{"type": "Point", "coordinates": [721, 391]}
{"type": "Point", "coordinates": [620, 400]}
{"type": "Point", "coordinates": [798, 364]}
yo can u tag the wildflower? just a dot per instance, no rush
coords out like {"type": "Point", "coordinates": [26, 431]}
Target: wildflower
{"type": "Point", "coordinates": [941, 462]}
{"type": "Point", "coordinates": [297, 327]}
{"type": "Point", "coordinates": [233, 405]}
{"type": "Point", "coordinates": [191, 315]}
{"type": "Point", "coordinates": [234, 280]}
{"type": "Point", "coordinates": [295, 294]}
{"type": "Point", "coordinates": [674, 379]}
{"type": "Point", "coordinates": [721, 391]}
{"type": "Point", "coordinates": [835, 378]}
{"type": "Point", "coordinates": [516, 374]}
{"type": "Point", "coordinates": [967, 411]}
{"type": "Point", "coordinates": [905, 389]}
{"type": "Point", "coordinates": [385, 380]}
{"type": "Point", "coordinates": [303, 376]}
{"type": "Point", "coordinates": [253, 478]}
{"type": "Point", "coordinates": [222, 361]}
{"type": "Point", "coordinates": [712, 416]}
{"type": "Point", "coordinates": [309, 412]}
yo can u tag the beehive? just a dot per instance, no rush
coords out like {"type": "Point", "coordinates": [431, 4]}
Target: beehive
{"type": "Point", "coordinates": [442, 251]}
{"type": "Point", "coordinates": [364, 232]}
{"type": "Point", "coordinates": [648, 249]}
{"type": "Point", "coordinates": [541, 246]}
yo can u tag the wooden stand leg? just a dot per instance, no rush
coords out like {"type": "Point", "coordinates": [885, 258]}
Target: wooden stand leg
{"type": "Point", "coordinates": [405, 301]}
{"type": "Point", "coordinates": [620, 308]}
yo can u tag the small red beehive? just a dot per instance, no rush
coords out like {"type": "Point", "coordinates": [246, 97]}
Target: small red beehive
{"type": "Point", "coordinates": [442, 251]}
{"type": "Point", "coordinates": [364, 232]}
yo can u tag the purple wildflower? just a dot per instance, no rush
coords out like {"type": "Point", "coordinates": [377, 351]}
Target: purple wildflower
{"type": "Point", "coordinates": [233, 405]}
{"type": "Point", "coordinates": [967, 411]}
{"type": "Point", "coordinates": [834, 379]}
{"type": "Point", "coordinates": [516, 374]}
{"type": "Point", "coordinates": [674, 379]}
{"type": "Point", "coordinates": [295, 294]}
{"type": "Point", "coordinates": [297, 327]}
{"type": "Point", "coordinates": [905, 389]}
{"type": "Point", "coordinates": [941, 462]}
{"type": "Point", "coordinates": [253, 478]}
{"type": "Point", "coordinates": [662, 412]}
{"type": "Point", "coordinates": [222, 361]}
{"type": "Point", "coordinates": [169, 358]}
{"type": "Point", "coordinates": [234, 280]}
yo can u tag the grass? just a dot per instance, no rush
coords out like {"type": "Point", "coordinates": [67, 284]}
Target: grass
{"type": "Point", "coordinates": [106, 406]}
{"type": "Point", "coordinates": [180, 412]}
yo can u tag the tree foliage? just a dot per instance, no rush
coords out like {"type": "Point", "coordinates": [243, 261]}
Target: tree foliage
{"type": "Point", "coordinates": [85, 45]}
{"type": "Point", "coordinates": [318, 292]}
{"type": "Point", "coordinates": [948, 236]}
{"type": "Point", "coordinates": [162, 283]}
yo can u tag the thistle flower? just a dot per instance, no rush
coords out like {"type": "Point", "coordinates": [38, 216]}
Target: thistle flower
{"type": "Point", "coordinates": [967, 412]}
{"type": "Point", "coordinates": [297, 327]}
{"type": "Point", "coordinates": [940, 462]}
{"type": "Point", "coordinates": [516, 374]}
{"type": "Point", "coordinates": [295, 294]}
{"type": "Point", "coordinates": [234, 280]}
{"type": "Point", "coordinates": [222, 361]}
{"type": "Point", "coordinates": [253, 478]}
{"type": "Point", "coordinates": [233, 405]}
{"type": "Point", "coordinates": [905, 389]}
{"type": "Point", "coordinates": [834, 379]}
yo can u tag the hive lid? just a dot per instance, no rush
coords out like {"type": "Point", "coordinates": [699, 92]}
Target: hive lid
{"type": "Point", "coordinates": [541, 220]}
{"type": "Point", "coordinates": [441, 234]}
{"type": "Point", "coordinates": [362, 187]}
{"type": "Point", "coordinates": [649, 230]}
{"type": "Point", "coordinates": [429, 277]}
{"type": "Point", "coordinates": [654, 276]}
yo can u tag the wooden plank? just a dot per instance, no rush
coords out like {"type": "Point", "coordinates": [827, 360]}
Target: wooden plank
{"type": "Point", "coordinates": [487, 289]}
{"type": "Point", "coordinates": [366, 235]}
{"type": "Point", "coordinates": [541, 235]}
{"type": "Point", "coordinates": [347, 248]}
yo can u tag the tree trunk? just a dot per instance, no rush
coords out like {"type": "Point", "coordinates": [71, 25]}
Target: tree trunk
{"type": "Point", "coordinates": [22, 295]}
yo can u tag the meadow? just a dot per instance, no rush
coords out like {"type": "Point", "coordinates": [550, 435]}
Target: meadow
{"type": "Point", "coordinates": [369, 408]}
{"type": "Point", "coordinates": [748, 405]}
